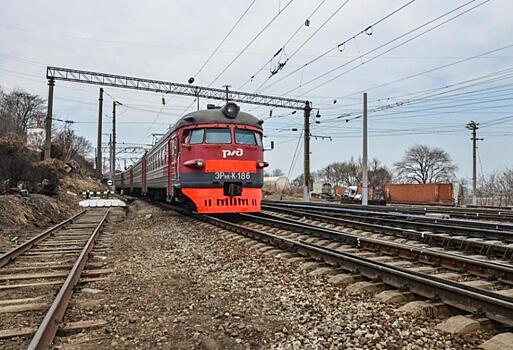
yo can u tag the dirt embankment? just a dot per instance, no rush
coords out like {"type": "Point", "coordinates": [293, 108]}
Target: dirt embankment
{"type": "Point", "coordinates": [23, 217]}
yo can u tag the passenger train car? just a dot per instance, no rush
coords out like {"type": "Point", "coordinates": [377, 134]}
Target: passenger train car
{"type": "Point", "coordinates": [210, 159]}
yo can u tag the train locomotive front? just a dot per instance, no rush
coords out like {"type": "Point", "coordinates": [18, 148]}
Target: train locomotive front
{"type": "Point", "coordinates": [219, 160]}
{"type": "Point", "coordinates": [211, 159]}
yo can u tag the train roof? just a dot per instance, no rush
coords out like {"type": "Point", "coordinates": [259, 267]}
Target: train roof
{"type": "Point", "coordinates": [211, 115]}
{"type": "Point", "coordinates": [216, 115]}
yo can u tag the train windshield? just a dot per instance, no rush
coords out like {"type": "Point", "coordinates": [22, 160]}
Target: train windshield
{"type": "Point", "coordinates": [248, 137]}
{"type": "Point", "coordinates": [218, 136]}
{"type": "Point", "coordinates": [195, 136]}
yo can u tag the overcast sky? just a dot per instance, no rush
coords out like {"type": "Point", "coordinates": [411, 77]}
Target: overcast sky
{"type": "Point", "coordinates": [171, 40]}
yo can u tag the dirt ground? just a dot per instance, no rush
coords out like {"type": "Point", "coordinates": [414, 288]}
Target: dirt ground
{"type": "Point", "coordinates": [179, 286]}
{"type": "Point", "coordinates": [24, 217]}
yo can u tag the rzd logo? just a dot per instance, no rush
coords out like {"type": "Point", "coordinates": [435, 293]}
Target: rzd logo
{"type": "Point", "coordinates": [239, 152]}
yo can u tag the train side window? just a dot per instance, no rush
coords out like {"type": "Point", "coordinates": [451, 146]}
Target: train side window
{"type": "Point", "coordinates": [258, 137]}
{"type": "Point", "coordinates": [248, 137]}
{"type": "Point", "coordinates": [222, 136]}
{"type": "Point", "coordinates": [195, 137]}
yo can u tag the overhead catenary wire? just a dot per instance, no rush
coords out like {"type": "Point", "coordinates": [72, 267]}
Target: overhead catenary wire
{"type": "Point", "coordinates": [340, 44]}
{"type": "Point", "coordinates": [304, 43]}
{"type": "Point", "coordinates": [388, 50]}
{"type": "Point", "coordinates": [293, 161]}
{"type": "Point", "coordinates": [243, 50]}
{"type": "Point", "coordinates": [225, 38]}
{"type": "Point", "coordinates": [434, 69]}
{"type": "Point", "coordinates": [282, 48]}
{"type": "Point", "coordinates": [250, 42]}
{"type": "Point", "coordinates": [439, 92]}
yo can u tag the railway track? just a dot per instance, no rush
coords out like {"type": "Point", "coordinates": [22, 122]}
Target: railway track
{"type": "Point", "coordinates": [39, 278]}
{"type": "Point", "coordinates": [495, 215]}
{"type": "Point", "coordinates": [473, 286]}
{"type": "Point", "coordinates": [474, 228]}
{"type": "Point", "coordinates": [478, 243]}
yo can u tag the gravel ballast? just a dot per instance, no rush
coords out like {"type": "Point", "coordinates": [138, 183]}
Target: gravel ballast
{"type": "Point", "coordinates": [180, 285]}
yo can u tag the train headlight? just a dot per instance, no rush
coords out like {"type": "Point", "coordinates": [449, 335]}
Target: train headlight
{"type": "Point", "coordinates": [262, 164]}
{"type": "Point", "coordinates": [195, 163]}
{"type": "Point", "coordinates": [231, 110]}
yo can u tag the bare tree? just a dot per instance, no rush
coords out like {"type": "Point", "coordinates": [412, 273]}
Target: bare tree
{"type": "Point", "coordinates": [70, 145]}
{"type": "Point", "coordinates": [277, 172]}
{"type": "Point", "coordinates": [378, 174]}
{"type": "Point", "coordinates": [18, 110]}
{"type": "Point", "coordinates": [496, 188]}
{"type": "Point", "coordinates": [350, 173]}
{"type": "Point", "coordinates": [422, 164]}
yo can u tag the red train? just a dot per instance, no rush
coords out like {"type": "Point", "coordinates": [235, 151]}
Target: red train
{"type": "Point", "coordinates": [210, 159]}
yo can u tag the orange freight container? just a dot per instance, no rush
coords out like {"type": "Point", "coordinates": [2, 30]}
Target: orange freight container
{"type": "Point", "coordinates": [419, 193]}
{"type": "Point", "coordinates": [339, 190]}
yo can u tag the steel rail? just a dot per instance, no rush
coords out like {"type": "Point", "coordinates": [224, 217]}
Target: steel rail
{"type": "Point", "coordinates": [479, 247]}
{"type": "Point", "coordinates": [504, 231]}
{"type": "Point", "coordinates": [470, 299]}
{"type": "Point", "coordinates": [12, 254]}
{"type": "Point", "coordinates": [46, 332]}
{"type": "Point", "coordinates": [464, 213]}
{"type": "Point", "coordinates": [447, 260]}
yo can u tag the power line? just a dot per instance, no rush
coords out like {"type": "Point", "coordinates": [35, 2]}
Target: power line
{"type": "Point", "coordinates": [240, 53]}
{"type": "Point", "coordinates": [250, 42]}
{"type": "Point", "coordinates": [225, 37]}
{"type": "Point", "coordinates": [484, 79]}
{"type": "Point", "coordinates": [292, 163]}
{"type": "Point", "coordinates": [303, 44]}
{"type": "Point", "coordinates": [388, 50]}
{"type": "Point", "coordinates": [365, 30]}
{"type": "Point", "coordinates": [282, 48]}
{"type": "Point", "coordinates": [436, 68]}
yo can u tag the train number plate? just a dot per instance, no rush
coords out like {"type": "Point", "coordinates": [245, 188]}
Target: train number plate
{"type": "Point", "coordinates": [231, 175]}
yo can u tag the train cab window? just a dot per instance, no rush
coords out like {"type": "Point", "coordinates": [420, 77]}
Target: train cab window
{"type": "Point", "coordinates": [194, 137]}
{"type": "Point", "coordinates": [218, 136]}
{"type": "Point", "coordinates": [248, 137]}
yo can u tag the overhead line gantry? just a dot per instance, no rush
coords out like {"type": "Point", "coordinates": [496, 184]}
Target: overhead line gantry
{"type": "Point", "coordinates": [166, 87]}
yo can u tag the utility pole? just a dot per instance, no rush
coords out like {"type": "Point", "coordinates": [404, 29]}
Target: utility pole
{"type": "Point", "coordinates": [227, 92]}
{"type": "Point", "coordinates": [111, 158]}
{"type": "Point", "coordinates": [473, 127]}
{"type": "Point", "coordinates": [365, 192]}
{"type": "Point", "coordinates": [48, 120]}
{"type": "Point", "coordinates": [99, 141]}
{"type": "Point", "coordinates": [113, 145]}
{"type": "Point", "coordinates": [306, 135]}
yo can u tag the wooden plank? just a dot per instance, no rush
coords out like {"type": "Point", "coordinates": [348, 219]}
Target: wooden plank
{"type": "Point", "coordinates": [32, 276]}
{"type": "Point", "coordinates": [24, 307]}
{"type": "Point", "coordinates": [63, 330]}
{"type": "Point", "coordinates": [97, 272]}
{"type": "Point", "coordinates": [35, 268]}
{"type": "Point", "coordinates": [20, 263]}
{"type": "Point", "coordinates": [80, 325]}
{"type": "Point", "coordinates": [30, 285]}
{"type": "Point", "coordinates": [88, 302]}
{"type": "Point", "coordinates": [97, 279]}
{"type": "Point", "coordinates": [60, 242]}
{"type": "Point", "coordinates": [46, 256]}
{"type": "Point", "coordinates": [59, 249]}
{"type": "Point", "coordinates": [20, 301]}
{"type": "Point", "coordinates": [54, 251]}
{"type": "Point", "coordinates": [17, 332]}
